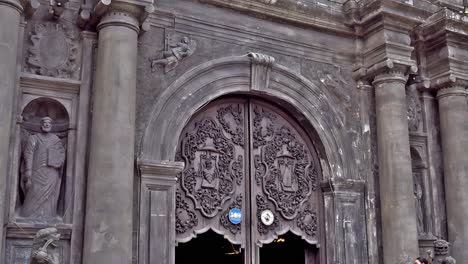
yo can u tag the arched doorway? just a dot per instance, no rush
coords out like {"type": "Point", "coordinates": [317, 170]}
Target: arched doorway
{"type": "Point", "coordinates": [249, 191]}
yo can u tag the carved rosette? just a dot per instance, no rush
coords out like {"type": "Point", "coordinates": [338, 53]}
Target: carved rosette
{"type": "Point", "coordinates": [53, 51]}
{"type": "Point", "coordinates": [185, 218]}
{"type": "Point", "coordinates": [307, 221]}
{"type": "Point", "coordinates": [224, 220]}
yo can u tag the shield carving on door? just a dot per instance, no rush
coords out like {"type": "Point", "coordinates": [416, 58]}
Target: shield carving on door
{"type": "Point", "coordinates": [246, 155]}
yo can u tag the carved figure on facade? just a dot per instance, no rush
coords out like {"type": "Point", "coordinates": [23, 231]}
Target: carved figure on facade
{"type": "Point", "coordinates": [41, 253]}
{"type": "Point", "coordinates": [442, 253]}
{"type": "Point", "coordinates": [418, 197]}
{"type": "Point", "coordinates": [43, 161]}
{"type": "Point", "coordinates": [211, 171]}
{"type": "Point", "coordinates": [176, 52]}
{"type": "Point", "coordinates": [53, 51]}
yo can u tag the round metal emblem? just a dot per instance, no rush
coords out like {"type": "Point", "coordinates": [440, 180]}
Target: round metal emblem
{"type": "Point", "coordinates": [235, 216]}
{"type": "Point", "coordinates": [267, 217]}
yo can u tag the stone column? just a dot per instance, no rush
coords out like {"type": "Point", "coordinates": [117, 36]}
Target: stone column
{"type": "Point", "coordinates": [109, 210]}
{"type": "Point", "coordinates": [10, 14]}
{"type": "Point", "coordinates": [453, 111]}
{"type": "Point", "coordinates": [399, 230]}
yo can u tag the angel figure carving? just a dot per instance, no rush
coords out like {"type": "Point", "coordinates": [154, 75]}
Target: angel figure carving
{"type": "Point", "coordinates": [44, 239]}
{"type": "Point", "coordinates": [176, 53]}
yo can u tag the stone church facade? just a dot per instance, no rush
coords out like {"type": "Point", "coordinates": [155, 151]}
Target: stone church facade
{"type": "Point", "coordinates": [130, 128]}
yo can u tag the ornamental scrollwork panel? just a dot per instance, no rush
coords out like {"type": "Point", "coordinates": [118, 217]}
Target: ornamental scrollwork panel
{"type": "Point", "coordinates": [286, 172]}
{"type": "Point", "coordinates": [212, 182]}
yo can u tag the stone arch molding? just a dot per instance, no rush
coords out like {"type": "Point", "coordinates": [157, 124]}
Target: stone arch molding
{"type": "Point", "coordinates": [256, 74]}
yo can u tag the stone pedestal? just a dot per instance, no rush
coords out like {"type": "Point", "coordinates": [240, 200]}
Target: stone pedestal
{"type": "Point", "coordinates": [453, 111]}
{"type": "Point", "coordinates": [10, 14]}
{"type": "Point", "coordinates": [399, 230]}
{"type": "Point", "coordinates": [109, 210]}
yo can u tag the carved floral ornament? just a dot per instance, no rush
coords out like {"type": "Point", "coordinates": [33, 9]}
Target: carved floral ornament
{"type": "Point", "coordinates": [53, 51]}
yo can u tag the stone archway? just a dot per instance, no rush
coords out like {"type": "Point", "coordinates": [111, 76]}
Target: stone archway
{"type": "Point", "coordinates": [253, 74]}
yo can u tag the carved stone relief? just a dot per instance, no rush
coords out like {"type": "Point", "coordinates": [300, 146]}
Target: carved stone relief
{"type": "Point", "coordinates": [43, 157]}
{"type": "Point", "coordinates": [53, 51]}
{"type": "Point", "coordinates": [44, 240]}
{"type": "Point", "coordinates": [413, 109]}
{"type": "Point", "coordinates": [174, 54]}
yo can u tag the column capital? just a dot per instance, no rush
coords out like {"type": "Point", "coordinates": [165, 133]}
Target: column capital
{"type": "Point", "coordinates": [390, 76]}
{"type": "Point", "coordinates": [452, 91]}
{"type": "Point", "coordinates": [132, 14]}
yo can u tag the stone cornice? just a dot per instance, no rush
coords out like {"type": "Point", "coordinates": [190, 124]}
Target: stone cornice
{"type": "Point", "coordinates": [445, 41]}
{"type": "Point", "coordinates": [159, 168]}
{"type": "Point", "coordinates": [322, 16]}
{"type": "Point", "coordinates": [366, 16]}
{"type": "Point", "coordinates": [452, 91]}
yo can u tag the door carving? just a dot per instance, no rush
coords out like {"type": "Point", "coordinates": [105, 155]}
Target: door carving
{"type": "Point", "coordinates": [247, 154]}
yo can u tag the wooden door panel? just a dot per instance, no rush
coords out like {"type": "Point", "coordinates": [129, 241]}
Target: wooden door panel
{"type": "Point", "coordinates": [286, 173]}
{"type": "Point", "coordinates": [213, 147]}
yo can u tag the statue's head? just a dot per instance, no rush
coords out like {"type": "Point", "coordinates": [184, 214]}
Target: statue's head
{"type": "Point", "coordinates": [46, 124]}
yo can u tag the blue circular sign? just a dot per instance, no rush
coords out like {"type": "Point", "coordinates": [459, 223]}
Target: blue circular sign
{"type": "Point", "coordinates": [235, 216]}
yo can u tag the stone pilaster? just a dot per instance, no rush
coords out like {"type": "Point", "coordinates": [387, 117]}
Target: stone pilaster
{"type": "Point", "coordinates": [399, 230]}
{"type": "Point", "coordinates": [453, 111]}
{"type": "Point", "coordinates": [109, 207]}
{"type": "Point", "coordinates": [10, 15]}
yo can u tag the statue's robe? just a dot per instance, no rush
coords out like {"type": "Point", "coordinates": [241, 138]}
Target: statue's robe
{"type": "Point", "coordinates": [44, 155]}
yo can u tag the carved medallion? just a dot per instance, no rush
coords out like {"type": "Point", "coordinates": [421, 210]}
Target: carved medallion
{"type": "Point", "coordinates": [53, 51]}
{"type": "Point", "coordinates": [307, 221]}
{"type": "Point", "coordinates": [236, 131]}
{"type": "Point", "coordinates": [185, 218]}
{"type": "Point", "coordinates": [224, 220]}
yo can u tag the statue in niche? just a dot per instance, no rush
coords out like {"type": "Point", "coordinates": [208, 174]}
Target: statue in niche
{"type": "Point", "coordinates": [40, 253]}
{"type": "Point", "coordinates": [418, 196]}
{"type": "Point", "coordinates": [176, 53]}
{"type": "Point", "coordinates": [44, 157]}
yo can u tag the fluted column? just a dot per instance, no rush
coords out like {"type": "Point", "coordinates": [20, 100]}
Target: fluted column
{"type": "Point", "coordinates": [399, 230]}
{"type": "Point", "coordinates": [453, 111]}
{"type": "Point", "coordinates": [109, 213]}
{"type": "Point", "coordinates": [10, 14]}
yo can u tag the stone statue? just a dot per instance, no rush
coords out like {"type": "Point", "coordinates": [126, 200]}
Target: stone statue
{"type": "Point", "coordinates": [441, 253]}
{"type": "Point", "coordinates": [44, 238]}
{"type": "Point", "coordinates": [177, 52]}
{"type": "Point", "coordinates": [43, 159]}
{"type": "Point", "coordinates": [418, 196]}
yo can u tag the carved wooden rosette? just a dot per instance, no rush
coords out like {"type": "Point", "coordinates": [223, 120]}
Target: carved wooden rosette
{"type": "Point", "coordinates": [246, 154]}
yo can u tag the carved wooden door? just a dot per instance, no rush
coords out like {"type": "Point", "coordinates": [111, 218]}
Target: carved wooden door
{"type": "Point", "coordinates": [246, 154]}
